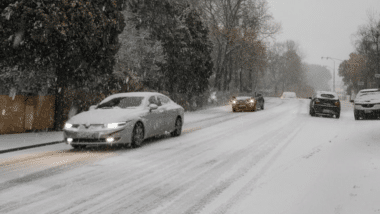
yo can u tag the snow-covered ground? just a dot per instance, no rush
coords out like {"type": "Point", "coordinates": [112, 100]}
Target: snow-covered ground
{"type": "Point", "coordinates": [279, 160]}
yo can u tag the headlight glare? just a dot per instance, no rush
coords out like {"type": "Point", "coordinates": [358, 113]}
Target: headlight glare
{"type": "Point", "coordinates": [110, 139]}
{"type": "Point", "coordinates": [114, 125]}
{"type": "Point", "coordinates": [68, 125]}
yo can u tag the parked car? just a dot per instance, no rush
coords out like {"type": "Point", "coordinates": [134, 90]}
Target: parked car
{"type": "Point", "coordinates": [288, 95]}
{"type": "Point", "coordinates": [367, 103]}
{"type": "Point", "coordinates": [125, 118]}
{"type": "Point", "coordinates": [248, 103]}
{"type": "Point", "coordinates": [325, 103]}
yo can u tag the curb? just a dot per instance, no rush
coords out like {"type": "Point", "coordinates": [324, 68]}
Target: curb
{"type": "Point", "coordinates": [29, 147]}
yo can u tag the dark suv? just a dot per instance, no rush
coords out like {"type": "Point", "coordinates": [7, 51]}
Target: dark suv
{"type": "Point", "coordinates": [325, 103]}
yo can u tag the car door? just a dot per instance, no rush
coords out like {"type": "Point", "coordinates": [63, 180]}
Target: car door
{"type": "Point", "coordinates": [153, 118]}
{"type": "Point", "coordinates": [169, 113]}
{"type": "Point", "coordinates": [162, 112]}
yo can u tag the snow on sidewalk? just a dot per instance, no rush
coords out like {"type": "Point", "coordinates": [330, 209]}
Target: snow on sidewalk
{"type": "Point", "coordinates": [11, 141]}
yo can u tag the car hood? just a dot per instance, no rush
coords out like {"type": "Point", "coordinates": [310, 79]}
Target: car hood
{"type": "Point", "coordinates": [101, 116]}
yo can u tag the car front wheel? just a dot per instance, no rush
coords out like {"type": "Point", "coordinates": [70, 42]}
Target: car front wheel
{"type": "Point", "coordinates": [312, 112]}
{"type": "Point", "coordinates": [137, 135]}
{"type": "Point", "coordinates": [178, 128]}
{"type": "Point", "coordinates": [356, 114]}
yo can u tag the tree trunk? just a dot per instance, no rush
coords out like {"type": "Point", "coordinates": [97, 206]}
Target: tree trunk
{"type": "Point", "coordinates": [60, 105]}
{"type": "Point", "coordinates": [218, 68]}
{"type": "Point", "coordinates": [241, 81]}
{"type": "Point", "coordinates": [230, 73]}
{"type": "Point", "coordinates": [250, 80]}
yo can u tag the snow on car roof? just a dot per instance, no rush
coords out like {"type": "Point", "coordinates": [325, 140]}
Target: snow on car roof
{"type": "Point", "coordinates": [327, 92]}
{"type": "Point", "coordinates": [131, 94]}
{"type": "Point", "coordinates": [370, 89]}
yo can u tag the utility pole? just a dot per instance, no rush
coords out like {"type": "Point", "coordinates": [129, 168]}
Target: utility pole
{"type": "Point", "coordinates": [333, 59]}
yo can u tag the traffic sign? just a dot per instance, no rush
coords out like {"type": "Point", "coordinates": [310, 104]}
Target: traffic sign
{"type": "Point", "coordinates": [361, 83]}
{"type": "Point", "coordinates": [377, 75]}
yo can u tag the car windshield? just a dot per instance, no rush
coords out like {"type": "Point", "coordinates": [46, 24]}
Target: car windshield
{"type": "Point", "coordinates": [242, 98]}
{"type": "Point", "coordinates": [369, 94]}
{"type": "Point", "coordinates": [122, 102]}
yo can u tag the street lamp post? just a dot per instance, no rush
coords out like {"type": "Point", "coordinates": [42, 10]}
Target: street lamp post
{"type": "Point", "coordinates": [333, 59]}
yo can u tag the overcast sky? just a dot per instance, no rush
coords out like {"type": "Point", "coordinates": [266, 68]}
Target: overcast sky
{"type": "Point", "coordinates": [322, 27]}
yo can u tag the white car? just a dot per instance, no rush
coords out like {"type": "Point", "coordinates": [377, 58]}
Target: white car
{"type": "Point", "coordinates": [125, 118]}
{"type": "Point", "coordinates": [288, 95]}
{"type": "Point", "coordinates": [367, 103]}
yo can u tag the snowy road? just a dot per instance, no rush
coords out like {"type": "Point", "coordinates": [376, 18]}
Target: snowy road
{"type": "Point", "coordinates": [279, 160]}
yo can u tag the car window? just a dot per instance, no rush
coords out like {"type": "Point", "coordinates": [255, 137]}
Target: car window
{"type": "Point", "coordinates": [242, 98]}
{"type": "Point", "coordinates": [366, 93]}
{"type": "Point", "coordinates": [164, 100]}
{"type": "Point", "coordinates": [327, 95]}
{"type": "Point", "coordinates": [153, 100]}
{"type": "Point", "coordinates": [122, 102]}
{"type": "Point", "coordinates": [369, 95]}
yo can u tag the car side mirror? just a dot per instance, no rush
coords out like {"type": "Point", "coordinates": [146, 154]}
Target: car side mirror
{"type": "Point", "coordinates": [351, 101]}
{"type": "Point", "coordinates": [309, 97]}
{"type": "Point", "coordinates": [93, 107]}
{"type": "Point", "coordinates": [152, 107]}
{"type": "Point", "coordinates": [259, 95]}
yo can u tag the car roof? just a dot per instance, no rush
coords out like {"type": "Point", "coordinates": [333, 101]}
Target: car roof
{"type": "Point", "coordinates": [132, 94]}
{"type": "Point", "coordinates": [370, 89]}
{"type": "Point", "coordinates": [327, 92]}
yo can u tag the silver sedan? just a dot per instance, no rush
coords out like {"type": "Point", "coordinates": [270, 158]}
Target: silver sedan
{"type": "Point", "coordinates": [125, 118]}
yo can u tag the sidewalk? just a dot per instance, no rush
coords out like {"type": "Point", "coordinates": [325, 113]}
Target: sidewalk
{"type": "Point", "coordinates": [14, 142]}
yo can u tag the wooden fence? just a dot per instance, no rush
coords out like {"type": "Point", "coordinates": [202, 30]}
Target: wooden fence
{"type": "Point", "coordinates": [25, 113]}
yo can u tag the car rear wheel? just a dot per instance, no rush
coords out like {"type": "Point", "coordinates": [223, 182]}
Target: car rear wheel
{"type": "Point", "coordinates": [137, 135]}
{"type": "Point", "coordinates": [262, 106]}
{"type": "Point", "coordinates": [178, 128]}
{"type": "Point", "coordinates": [233, 110]}
{"type": "Point", "coordinates": [337, 115]}
{"type": "Point", "coordinates": [78, 146]}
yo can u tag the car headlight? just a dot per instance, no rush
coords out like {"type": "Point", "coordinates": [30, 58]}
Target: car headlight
{"type": "Point", "coordinates": [234, 101]}
{"type": "Point", "coordinates": [68, 125]}
{"type": "Point", "coordinates": [114, 125]}
{"type": "Point", "coordinates": [251, 101]}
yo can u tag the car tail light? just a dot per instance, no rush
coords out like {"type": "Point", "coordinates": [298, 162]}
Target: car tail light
{"type": "Point", "coordinates": [337, 103]}
{"type": "Point", "coordinates": [317, 101]}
